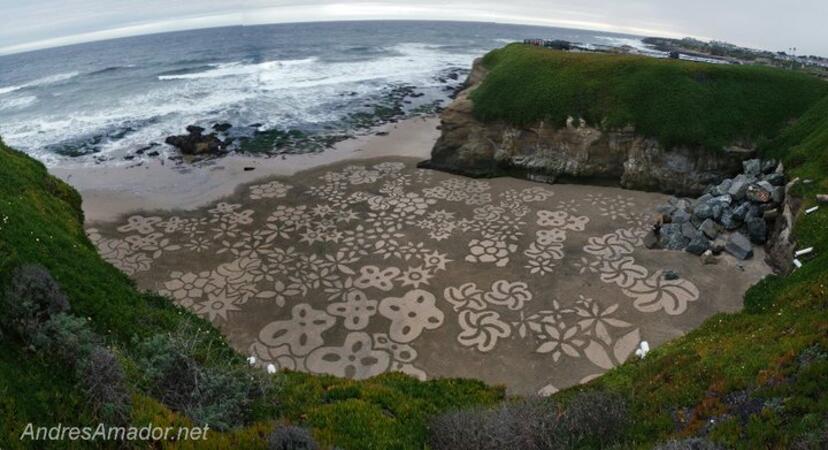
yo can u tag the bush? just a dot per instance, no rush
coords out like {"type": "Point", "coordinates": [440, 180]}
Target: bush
{"type": "Point", "coordinates": [210, 391]}
{"type": "Point", "coordinates": [291, 438]}
{"type": "Point", "coordinates": [689, 444]}
{"type": "Point", "coordinates": [65, 338]}
{"type": "Point", "coordinates": [510, 425]}
{"type": "Point", "coordinates": [106, 386]}
{"type": "Point", "coordinates": [590, 419]}
{"type": "Point", "coordinates": [31, 299]}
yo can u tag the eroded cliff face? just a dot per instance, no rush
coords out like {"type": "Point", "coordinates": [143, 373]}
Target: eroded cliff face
{"type": "Point", "coordinates": [577, 151]}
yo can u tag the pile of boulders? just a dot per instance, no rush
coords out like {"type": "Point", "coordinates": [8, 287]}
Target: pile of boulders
{"type": "Point", "coordinates": [731, 216]}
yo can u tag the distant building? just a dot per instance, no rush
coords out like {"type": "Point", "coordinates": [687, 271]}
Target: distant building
{"type": "Point", "coordinates": [534, 42]}
{"type": "Point", "coordinates": [556, 44]}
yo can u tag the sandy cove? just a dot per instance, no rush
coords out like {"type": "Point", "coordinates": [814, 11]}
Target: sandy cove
{"type": "Point", "coordinates": [354, 263]}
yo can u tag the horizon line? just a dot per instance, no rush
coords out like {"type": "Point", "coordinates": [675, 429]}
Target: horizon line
{"type": "Point", "coordinates": [132, 31]}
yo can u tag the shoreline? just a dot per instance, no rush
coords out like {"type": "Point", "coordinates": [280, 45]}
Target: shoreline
{"type": "Point", "coordinates": [110, 192]}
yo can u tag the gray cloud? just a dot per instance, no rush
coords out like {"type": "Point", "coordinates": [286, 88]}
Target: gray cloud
{"type": "Point", "coordinates": [770, 24]}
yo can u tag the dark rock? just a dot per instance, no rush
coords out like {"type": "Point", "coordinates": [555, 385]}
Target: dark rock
{"type": "Point", "coordinates": [776, 179]}
{"type": "Point", "coordinates": [769, 166]}
{"type": "Point", "coordinates": [129, 157]}
{"type": "Point", "coordinates": [765, 185]}
{"type": "Point", "coordinates": [698, 245]}
{"type": "Point", "coordinates": [723, 187]}
{"type": "Point", "coordinates": [222, 127]}
{"type": "Point", "coordinates": [739, 188]}
{"type": "Point", "coordinates": [717, 211]}
{"type": "Point", "coordinates": [382, 133]}
{"type": "Point", "coordinates": [729, 222]}
{"type": "Point", "coordinates": [249, 169]}
{"type": "Point", "coordinates": [702, 200]}
{"type": "Point", "coordinates": [778, 194]}
{"type": "Point", "coordinates": [704, 211]}
{"type": "Point", "coordinates": [757, 229]}
{"type": "Point", "coordinates": [741, 211]}
{"type": "Point", "coordinates": [651, 240]}
{"type": "Point", "coordinates": [680, 216]}
{"type": "Point", "coordinates": [195, 143]}
{"type": "Point", "coordinates": [670, 275]}
{"type": "Point", "coordinates": [671, 237]}
{"type": "Point", "coordinates": [739, 246]}
{"type": "Point", "coordinates": [667, 210]}
{"type": "Point", "coordinates": [752, 167]}
{"type": "Point", "coordinates": [688, 230]}
{"type": "Point", "coordinates": [683, 204]}
{"type": "Point", "coordinates": [710, 229]}
{"type": "Point", "coordinates": [722, 200]}
{"type": "Point", "coordinates": [153, 153]}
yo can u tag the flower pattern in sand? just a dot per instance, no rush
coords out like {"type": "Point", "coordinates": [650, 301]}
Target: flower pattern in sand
{"type": "Point", "coordinates": [374, 267]}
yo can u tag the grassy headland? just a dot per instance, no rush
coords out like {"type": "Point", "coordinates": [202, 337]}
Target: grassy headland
{"type": "Point", "coordinates": [677, 102]}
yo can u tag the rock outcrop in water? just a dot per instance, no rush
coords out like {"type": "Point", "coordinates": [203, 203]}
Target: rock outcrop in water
{"type": "Point", "coordinates": [197, 143]}
{"type": "Point", "coordinates": [577, 151]}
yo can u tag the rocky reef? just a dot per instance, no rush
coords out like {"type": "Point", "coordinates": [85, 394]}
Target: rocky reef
{"type": "Point", "coordinates": [575, 152]}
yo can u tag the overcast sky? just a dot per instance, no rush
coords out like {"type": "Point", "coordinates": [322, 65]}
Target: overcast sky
{"type": "Point", "coordinates": [768, 24]}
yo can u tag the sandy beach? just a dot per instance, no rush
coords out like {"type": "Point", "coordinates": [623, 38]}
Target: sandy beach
{"type": "Point", "coordinates": [109, 192]}
{"type": "Point", "coordinates": [355, 262]}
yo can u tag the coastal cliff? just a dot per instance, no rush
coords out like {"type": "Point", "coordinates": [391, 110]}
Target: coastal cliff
{"type": "Point", "coordinates": [566, 147]}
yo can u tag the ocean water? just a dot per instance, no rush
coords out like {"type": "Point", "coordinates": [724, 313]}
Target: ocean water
{"type": "Point", "coordinates": [96, 103]}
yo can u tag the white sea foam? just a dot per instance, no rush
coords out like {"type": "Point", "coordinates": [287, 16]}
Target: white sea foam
{"type": "Point", "coordinates": [274, 93]}
{"type": "Point", "coordinates": [52, 79]}
{"type": "Point", "coordinates": [17, 102]}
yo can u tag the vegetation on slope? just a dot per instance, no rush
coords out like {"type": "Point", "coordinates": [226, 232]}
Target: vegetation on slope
{"type": "Point", "coordinates": [755, 379]}
{"type": "Point", "coordinates": [677, 102]}
{"type": "Point", "coordinates": [41, 222]}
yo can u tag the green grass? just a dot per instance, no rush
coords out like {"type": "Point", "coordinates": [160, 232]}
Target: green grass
{"type": "Point", "coordinates": [41, 222]}
{"type": "Point", "coordinates": [677, 102]}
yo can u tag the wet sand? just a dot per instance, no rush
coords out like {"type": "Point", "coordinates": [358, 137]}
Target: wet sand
{"type": "Point", "coordinates": [109, 192]}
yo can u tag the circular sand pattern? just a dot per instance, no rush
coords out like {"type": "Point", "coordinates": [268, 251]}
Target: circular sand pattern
{"type": "Point", "coordinates": [357, 270]}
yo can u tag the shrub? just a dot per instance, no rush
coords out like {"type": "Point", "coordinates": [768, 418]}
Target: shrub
{"type": "Point", "coordinates": [510, 425]}
{"type": "Point", "coordinates": [30, 300]}
{"type": "Point", "coordinates": [181, 374]}
{"type": "Point", "coordinates": [65, 338]}
{"type": "Point", "coordinates": [689, 444]}
{"type": "Point", "coordinates": [106, 386]}
{"type": "Point", "coordinates": [590, 419]}
{"type": "Point", "coordinates": [291, 438]}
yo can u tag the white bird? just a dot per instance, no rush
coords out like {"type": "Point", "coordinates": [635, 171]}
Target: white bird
{"type": "Point", "coordinates": [271, 369]}
{"type": "Point", "coordinates": [251, 360]}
